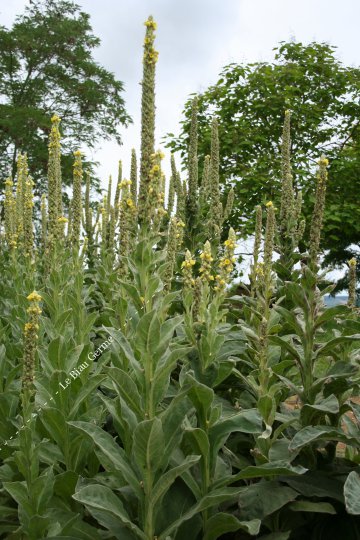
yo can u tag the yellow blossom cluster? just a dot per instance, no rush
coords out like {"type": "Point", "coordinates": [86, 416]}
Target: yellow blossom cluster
{"type": "Point", "coordinates": [226, 263]}
{"type": "Point", "coordinates": [30, 340]}
{"type": "Point", "coordinates": [187, 270]}
{"type": "Point", "coordinates": [206, 260]}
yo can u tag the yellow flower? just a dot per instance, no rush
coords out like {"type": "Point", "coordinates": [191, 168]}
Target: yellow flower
{"type": "Point", "coordinates": [77, 153]}
{"type": "Point", "coordinates": [324, 161]}
{"type": "Point", "coordinates": [34, 297]}
{"type": "Point", "coordinates": [352, 262]}
{"type": "Point", "coordinates": [62, 219]}
{"type": "Point", "coordinates": [55, 118]}
{"type": "Point", "coordinates": [269, 203]}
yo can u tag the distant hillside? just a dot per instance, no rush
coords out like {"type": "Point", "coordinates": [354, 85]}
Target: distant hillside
{"type": "Point", "coordinates": [335, 300]}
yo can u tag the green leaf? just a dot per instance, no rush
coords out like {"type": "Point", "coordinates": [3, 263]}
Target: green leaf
{"type": "Point", "coordinates": [310, 506]}
{"type": "Point", "coordinates": [214, 498]}
{"type": "Point", "coordinates": [127, 389]}
{"type": "Point", "coordinates": [147, 338]}
{"type": "Point", "coordinates": [331, 345]}
{"type": "Point", "coordinates": [263, 499]}
{"type": "Point", "coordinates": [222, 523]}
{"type": "Point", "coordinates": [149, 446]}
{"type": "Point", "coordinates": [311, 434]}
{"type": "Point", "coordinates": [96, 497]}
{"type": "Point", "coordinates": [352, 493]}
{"type": "Point", "coordinates": [165, 481]}
{"type": "Point", "coordinates": [111, 450]}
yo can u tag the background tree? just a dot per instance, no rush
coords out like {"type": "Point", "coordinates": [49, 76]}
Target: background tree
{"type": "Point", "coordinates": [249, 101]}
{"type": "Point", "coordinates": [46, 66]}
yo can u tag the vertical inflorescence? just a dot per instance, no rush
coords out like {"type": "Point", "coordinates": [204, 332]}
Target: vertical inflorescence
{"type": "Point", "coordinates": [256, 250]}
{"type": "Point", "coordinates": [28, 217]}
{"type": "Point", "coordinates": [10, 215]}
{"type": "Point", "coordinates": [229, 204]}
{"type": "Point", "coordinates": [127, 216]}
{"type": "Point", "coordinates": [318, 213]}
{"type": "Point", "coordinates": [227, 262]}
{"type": "Point", "coordinates": [43, 222]}
{"type": "Point", "coordinates": [187, 271]}
{"type": "Point", "coordinates": [175, 237]}
{"type": "Point", "coordinates": [133, 175]}
{"type": "Point", "coordinates": [205, 187]}
{"type": "Point", "coordinates": [30, 342]}
{"type": "Point", "coordinates": [54, 180]}
{"type": "Point", "coordinates": [147, 113]}
{"type": "Point", "coordinates": [352, 282]}
{"type": "Point", "coordinates": [172, 187]}
{"type": "Point", "coordinates": [287, 193]}
{"type": "Point", "coordinates": [21, 178]}
{"type": "Point", "coordinates": [216, 207]}
{"type": "Point", "coordinates": [269, 242]}
{"type": "Point", "coordinates": [206, 260]}
{"type": "Point", "coordinates": [76, 201]}
{"type": "Point", "coordinates": [192, 196]}
{"type": "Point", "coordinates": [118, 192]}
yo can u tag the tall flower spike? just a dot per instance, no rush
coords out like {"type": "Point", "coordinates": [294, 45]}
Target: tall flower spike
{"type": "Point", "coordinates": [269, 239]}
{"type": "Point", "coordinates": [215, 208]}
{"type": "Point", "coordinates": [30, 342]}
{"type": "Point", "coordinates": [28, 217]}
{"type": "Point", "coordinates": [10, 215]}
{"type": "Point", "coordinates": [287, 194]}
{"type": "Point", "coordinates": [229, 204]}
{"type": "Point", "coordinates": [187, 270]}
{"type": "Point", "coordinates": [118, 192]}
{"type": "Point", "coordinates": [192, 198]}
{"type": "Point", "coordinates": [206, 260]}
{"type": "Point", "coordinates": [205, 188]}
{"type": "Point", "coordinates": [318, 213]}
{"type": "Point", "coordinates": [76, 201]}
{"type": "Point", "coordinates": [175, 237]}
{"type": "Point", "coordinates": [104, 222]}
{"type": "Point", "coordinates": [43, 222]}
{"type": "Point", "coordinates": [88, 217]}
{"type": "Point", "coordinates": [133, 175]}
{"type": "Point", "coordinates": [109, 193]}
{"type": "Point", "coordinates": [112, 228]}
{"type": "Point", "coordinates": [127, 213]}
{"type": "Point", "coordinates": [147, 113]}
{"type": "Point", "coordinates": [172, 184]}
{"type": "Point", "coordinates": [21, 177]}
{"type": "Point", "coordinates": [256, 250]}
{"type": "Point", "coordinates": [54, 178]}
{"type": "Point", "coordinates": [227, 262]}
{"type": "Point", "coordinates": [352, 282]}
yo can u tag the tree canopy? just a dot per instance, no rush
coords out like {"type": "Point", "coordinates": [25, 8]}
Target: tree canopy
{"type": "Point", "coordinates": [249, 101]}
{"type": "Point", "coordinates": [47, 66]}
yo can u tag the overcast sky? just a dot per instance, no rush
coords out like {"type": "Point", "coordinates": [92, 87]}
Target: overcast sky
{"type": "Point", "coordinates": [196, 38]}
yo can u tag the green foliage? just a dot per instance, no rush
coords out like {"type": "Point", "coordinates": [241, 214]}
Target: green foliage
{"type": "Point", "coordinates": [249, 101]}
{"type": "Point", "coordinates": [47, 66]}
{"type": "Point", "coordinates": [160, 408]}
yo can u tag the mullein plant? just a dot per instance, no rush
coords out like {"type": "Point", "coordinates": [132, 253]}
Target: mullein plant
{"type": "Point", "coordinates": [21, 179]}
{"type": "Point", "coordinates": [317, 335]}
{"type": "Point", "coordinates": [10, 215]}
{"type": "Point", "coordinates": [76, 203]}
{"type": "Point", "coordinates": [147, 116]}
{"type": "Point", "coordinates": [291, 225]}
{"type": "Point", "coordinates": [28, 227]}
{"type": "Point", "coordinates": [173, 246]}
{"type": "Point", "coordinates": [352, 282]}
{"type": "Point", "coordinates": [127, 219]}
